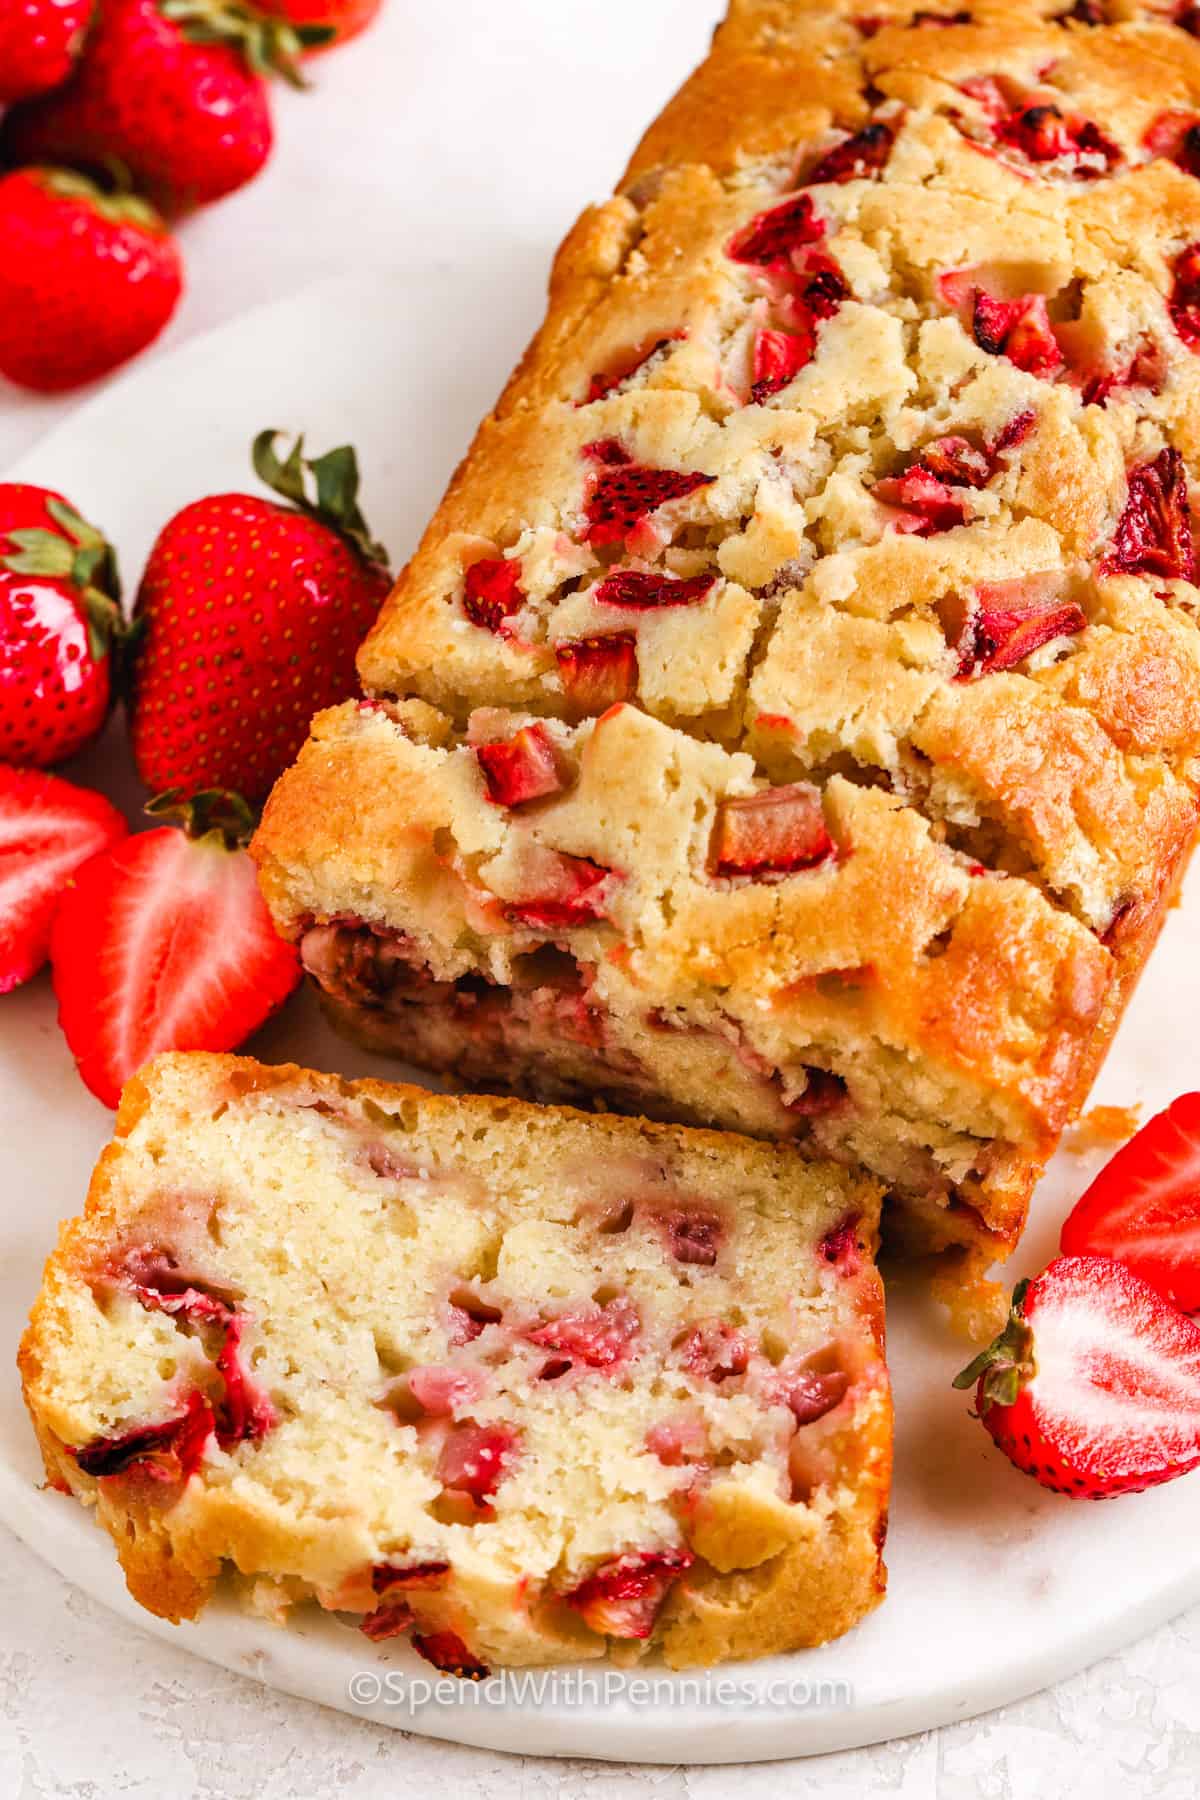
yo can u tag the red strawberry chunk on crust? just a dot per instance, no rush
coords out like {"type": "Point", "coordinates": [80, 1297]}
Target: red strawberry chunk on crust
{"type": "Point", "coordinates": [1042, 133]}
{"type": "Point", "coordinates": [864, 154]}
{"type": "Point", "coordinates": [772, 236]}
{"type": "Point", "coordinates": [779, 357]}
{"type": "Point", "coordinates": [446, 1651]}
{"type": "Point", "coordinates": [571, 891]}
{"type": "Point", "coordinates": [927, 505]}
{"type": "Point", "coordinates": [170, 1451]}
{"type": "Point", "coordinates": [1154, 532]}
{"type": "Point", "coordinates": [598, 672]}
{"type": "Point", "coordinates": [641, 590]}
{"type": "Point", "coordinates": [48, 829]}
{"type": "Point", "coordinates": [599, 1339]}
{"type": "Point", "coordinates": [492, 592]}
{"type": "Point", "coordinates": [1184, 302]}
{"type": "Point", "coordinates": [957, 462]}
{"type": "Point", "coordinates": [1176, 135]}
{"type": "Point", "coordinates": [523, 768]}
{"type": "Point", "coordinates": [608, 380]}
{"type": "Point", "coordinates": [623, 492]}
{"type": "Point", "coordinates": [775, 831]}
{"type": "Point", "coordinates": [623, 1597]}
{"type": "Point", "coordinates": [1009, 620]}
{"type": "Point", "coordinates": [1019, 329]}
{"type": "Point", "coordinates": [475, 1459]}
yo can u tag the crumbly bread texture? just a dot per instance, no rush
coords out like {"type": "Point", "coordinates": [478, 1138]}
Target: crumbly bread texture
{"type": "Point", "coordinates": [851, 467]}
{"type": "Point", "coordinates": [520, 1383]}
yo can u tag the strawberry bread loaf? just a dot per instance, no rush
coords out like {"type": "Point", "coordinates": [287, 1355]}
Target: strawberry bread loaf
{"type": "Point", "coordinates": [522, 1384]}
{"type": "Point", "coordinates": [789, 720]}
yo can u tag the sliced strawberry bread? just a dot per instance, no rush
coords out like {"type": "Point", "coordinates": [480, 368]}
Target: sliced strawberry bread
{"type": "Point", "coordinates": [852, 464]}
{"type": "Point", "coordinates": [520, 1383]}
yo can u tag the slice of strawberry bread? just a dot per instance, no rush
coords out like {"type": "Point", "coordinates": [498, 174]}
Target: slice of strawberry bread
{"type": "Point", "coordinates": [519, 1383]}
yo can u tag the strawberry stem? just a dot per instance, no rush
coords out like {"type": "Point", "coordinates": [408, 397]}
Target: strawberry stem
{"type": "Point", "coordinates": [117, 203]}
{"type": "Point", "coordinates": [213, 812]}
{"type": "Point", "coordinates": [1007, 1364]}
{"type": "Point", "coordinates": [79, 554]}
{"type": "Point", "coordinates": [269, 46]}
{"type": "Point", "coordinates": [337, 480]}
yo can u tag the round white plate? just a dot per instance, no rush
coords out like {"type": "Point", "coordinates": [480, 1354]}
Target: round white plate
{"type": "Point", "coordinates": [997, 1588]}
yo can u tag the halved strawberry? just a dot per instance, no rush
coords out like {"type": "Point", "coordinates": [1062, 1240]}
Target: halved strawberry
{"type": "Point", "coordinates": [1006, 621]}
{"type": "Point", "coordinates": [623, 493]}
{"type": "Point", "coordinates": [169, 1451]}
{"type": "Point", "coordinates": [1154, 532]}
{"type": "Point", "coordinates": [524, 767]}
{"type": "Point", "coordinates": [772, 236]}
{"type": "Point", "coordinates": [492, 591]}
{"type": "Point", "coordinates": [779, 357]}
{"type": "Point", "coordinates": [864, 154]}
{"type": "Point", "coordinates": [927, 505]}
{"type": "Point", "coordinates": [598, 672]}
{"type": "Point", "coordinates": [624, 1596]}
{"type": "Point", "coordinates": [1144, 1205]}
{"type": "Point", "coordinates": [641, 590]}
{"type": "Point", "coordinates": [48, 829]}
{"type": "Point", "coordinates": [774, 831]}
{"type": "Point", "coordinates": [165, 943]}
{"type": "Point", "coordinates": [1093, 1387]}
{"type": "Point", "coordinates": [475, 1459]}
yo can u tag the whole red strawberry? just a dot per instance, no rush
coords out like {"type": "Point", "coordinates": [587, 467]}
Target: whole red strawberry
{"type": "Point", "coordinates": [39, 43]}
{"type": "Point", "coordinates": [252, 613]}
{"type": "Point", "coordinates": [170, 90]}
{"type": "Point", "coordinates": [336, 20]}
{"type": "Point", "coordinates": [87, 279]}
{"type": "Point", "coordinates": [164, 942]}
{"type": "Point", "coordinates": [59, 616]}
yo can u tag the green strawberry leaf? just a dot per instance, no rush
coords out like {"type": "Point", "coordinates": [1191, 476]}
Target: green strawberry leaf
{"type": "Point", "coordinates": [212, 812]}
{"type": "Point", "coordinates": [79, 554]}
{"type": "Point", "coordinates": [336, 480]}
{"type": "Point", "coordinates": [268, 46]}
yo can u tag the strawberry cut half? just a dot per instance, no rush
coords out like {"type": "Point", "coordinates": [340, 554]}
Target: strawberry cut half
{"type": "Point", "coordinates": [863, 155]}
{"type": "Point", "coordinates": [1019, 329]}
{"type": "Point", "coordinates": [640, 590]}
{"type": "Point", "coordinates": [597, 672]}
{"type": "Point", "coordinates": [170, 1451]}
{"type": "Point", "coordinates": [1144, 1206]}
{"type": "Point", "coordinates": [926, 504]}
{"type": "Point", "coordinates": [1154, 532]}
{"type": "Point", "coordinates": [523, 768]}
{"type": "Point", "coordinates": [772, 236]}
{"type": "Point", "coordinates": [492, 592]}
{"type": "Point", "coordinates": [1093, 1387]}
{"type": "Point", "coordinates": [779, 357]}
{"type": "Point", "coordinates": [773, 832]}
{"type": "Point", "coordinates": [1009, 620]}
{"type": "Point", "coordinates": [623, 492]}
{"type": "Point", "coordinates": [164, 943]}
{"type": "Point", "coordinates": [624, 1596]}
{"type": "Point", "coordinates": [48, 829]}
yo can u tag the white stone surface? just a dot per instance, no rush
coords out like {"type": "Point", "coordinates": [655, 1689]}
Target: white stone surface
{"type": "Point", "coordinates": [457, 135]}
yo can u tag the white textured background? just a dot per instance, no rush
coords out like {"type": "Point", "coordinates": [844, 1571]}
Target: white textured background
{"type": "Point", "coordinates": [524, 127]}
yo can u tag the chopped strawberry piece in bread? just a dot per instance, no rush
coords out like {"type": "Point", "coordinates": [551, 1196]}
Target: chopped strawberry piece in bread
{"type": "Point", "coordinates": [779, 357]}
{"type": "Point", "coordinates": [1008, 620]}
{"type": "Point", "coordinates": [1144, 1206]}
{"type": "Point", "coordinates": [386, 1576]}
{"type": "Point", "coordinates": [607, 381]}
{"type": "Point", "coordinates": [840, 1246]}
{"type": "Point", "coordinates": [598, 672]}
{"type": "Point", "coordinates": [772, 236]}
{"type": "Point", "coordinates": [446, 1651]}
{"type": "Point", "coordinates": [774, 831]}
{"type": "Point", "coordinates": [246, 1413]}
{"type": "Point", "coordinates": [441, 1391]}
{"type": "Point", "coordinates": [694, 1234]}
{"type": "Point", "coordinates": [1042, 134]}
{"type": "Point", "coordinates": [159, 1285]}
{"type": "Point", "coordinates": [864, 154]}
{"type": "Point", "coordinates": [641, 590]}
{"type": "Point", "coordinates": [523, 768]}
{"type": "Point", "coordinates": [623, 1598]}
{"type": "Point", "coordinates": [715, 1351]}
{"type": "Point", "coordinates": [389, 1621]}
{"type": "Point", "coordinates": [1093, 1387]}
{"type": "Point", "coordinates": [625, 492]}
{"type": "Point", "coordinates": [1019, 329]}
{"type": "Point", "coordinates": [812, 1388]}
{"type": "Point", "coordinates": [1184, 302]}
{"type": "Point", "coordinates": [475, 1459]}
{"type": "Point", "coordinates": [600, 1339]}
{"type": "Point", "coordinates": [1176, 135]}
{"type": "Point", "coordinates": [48, 829]}
{"type": "Point", "coordinates": [570, 891]}
{"type": "Point", "coordinates": [957, 462]}
{"type": "Point", "coordinates": [1154, 532]}
{"type": "Point", "coordinates": [170, 1451]}
{"type": "Point", "coordinates": [1011, 434]}
{"type": "Point", "coordinates": [492, 591]}
{"type": "Point", "coordinates": [927, 505]}
{"type": "Point", "coordinates": [469, 1316]}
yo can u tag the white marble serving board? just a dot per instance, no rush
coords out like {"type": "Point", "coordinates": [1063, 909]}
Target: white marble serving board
{"type": "Point", "coordinates": [996, 1587]}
